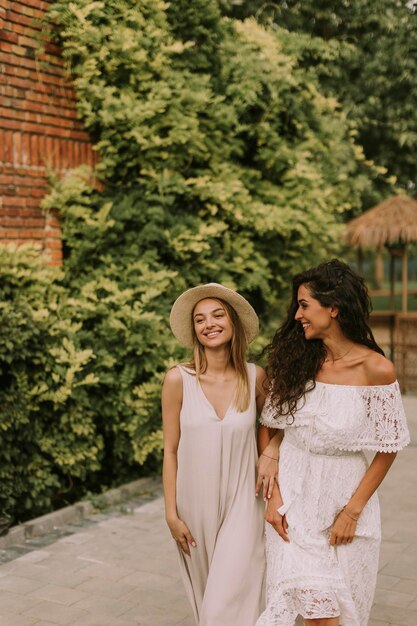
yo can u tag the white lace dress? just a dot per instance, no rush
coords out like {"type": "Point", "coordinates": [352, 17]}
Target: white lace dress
{"type": "Point", "coordinates": [320, 466]}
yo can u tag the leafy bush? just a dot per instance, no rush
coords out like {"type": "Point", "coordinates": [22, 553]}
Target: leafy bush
{"type": "Point", "coordinates": [242, 174]}
{"type": "Point", "coordinates": [48, 440]}
{"type": "Point", "coordinates": [78, 383]}
{"type": "Point", "coordinates": [219, 160]}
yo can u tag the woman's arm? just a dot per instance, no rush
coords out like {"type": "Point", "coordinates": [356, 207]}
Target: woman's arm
{"type": "Point", "coordinates": [269, 448]}
{"type": "Point", "coordinates": [267, 463]}
{"type": "Point", "coordinates": [344, 527]}
{"type": "Point", "coordinates": [261, 388]}
{"type": "Point", "coordinates": [277, 521]}
{"type": "Point", "coordinates": [379, 371]}
{"type": "Point", "coordinates": [269, 440]}
{"type": "Point", "coordinates": [171, 408]}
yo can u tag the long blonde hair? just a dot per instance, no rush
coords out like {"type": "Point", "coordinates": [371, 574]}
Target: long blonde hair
{"type": "Point", "coordinates": [236, 357]}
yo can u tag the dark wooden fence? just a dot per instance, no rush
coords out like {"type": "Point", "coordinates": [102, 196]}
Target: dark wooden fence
{"type": "Point", "coordinates": [396, 333]}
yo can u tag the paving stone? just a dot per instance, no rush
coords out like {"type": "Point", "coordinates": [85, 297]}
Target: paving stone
{"type": "Point", "coordinates": [34, 557]}
{"type": "Point", "coordinates": [91, 620]}
{"type": "Point", "coordinates": [387, 582]}
{"type": "Point", "coordinates": [394, 598]}
{"type": "Point", "coordinates": [188, 621]}
{"type": "Point", "coordinates": [394, 616]}
{"type": "Point", "coordinates": [77, 539]}
{"type": "Point", "coordinates": [146, 580]}
{"type": "Point", "coordinates": [60, 595]}
{"type": "Point", "coordinates": [99, 605]}
{"type": "Point", "coordinates": [19, 585]}
{"type": "Point", "coordinates": [107, 588]}
{"type": "Point", "coordinates": [43, 623]}
{"type": "Point", "coordinates": [14, 603]}
{"type": "Point", "coordinates": [403, 566]}
{"type": "Point", "coordinates": [11, 619]}
{"type": "Point", "coordinates": [406, 585]}
{"type": "Point", "coordinates": [67, 563]}
{"type": "Point", "coordinates": [148, 616]}
{"type": "Point", "coordinates": [58, 614]}
{"type": "Point", "coordinates": [39, 575]}
{"type": "Point", "coordinates": [106, 571]}
{"type": "Point", "coordinates": [413, 605]}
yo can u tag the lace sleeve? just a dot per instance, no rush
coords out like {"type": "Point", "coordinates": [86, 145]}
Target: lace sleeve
{"type": "Point", "coordinates": [269, 416]}
{"type": "Point", "coordinates": [386, 426]}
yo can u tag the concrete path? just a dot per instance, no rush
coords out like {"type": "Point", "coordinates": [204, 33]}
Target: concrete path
{"type": "Point", "coordinates": [119, 568]}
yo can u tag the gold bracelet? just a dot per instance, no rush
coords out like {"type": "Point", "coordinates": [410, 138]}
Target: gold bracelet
{"type": "Point", "coordinates": [269, 457]}
{"type": "Point", "coordinates": [355, 519]}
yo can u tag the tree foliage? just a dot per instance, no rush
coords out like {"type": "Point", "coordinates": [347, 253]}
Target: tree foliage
{"type": "Point", "coordinates": [250, 167]}
{"type": "Point", "coordinates": [220, 159]}
{"type": "Point", "coordinates": [48, 439]}
{"type": "Point", "coordinates": [365, 55]}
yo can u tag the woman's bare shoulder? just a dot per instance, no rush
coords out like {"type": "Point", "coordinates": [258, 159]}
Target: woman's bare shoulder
{"type": "Point", "coordinates": [173, 378]}
{"type": "Point", "coordinates": [172, 388]}
{"type": "Point", "coordinates": [261, 379]}
{"type": "Point", "coordinates": [260, 373]}
{"type": "Point", "coordinates": [379, 370]}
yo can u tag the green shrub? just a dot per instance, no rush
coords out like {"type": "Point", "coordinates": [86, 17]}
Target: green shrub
{"type": "Point", "coordinates": [219, 160]}
{"type": "Point", "coordinates": [48, 440]}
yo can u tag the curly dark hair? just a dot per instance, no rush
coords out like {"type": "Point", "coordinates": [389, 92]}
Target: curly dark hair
{"type": "Point", "coordinates": [293, 361]}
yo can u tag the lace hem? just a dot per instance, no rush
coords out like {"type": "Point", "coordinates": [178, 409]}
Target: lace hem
{"type": "Point", "coordinates": [284, 605]}
{"type": "Point", "coordinates": [377, 447]}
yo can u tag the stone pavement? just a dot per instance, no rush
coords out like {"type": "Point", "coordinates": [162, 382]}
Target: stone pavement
{"type": "Point", "coordinates": [119, 567]}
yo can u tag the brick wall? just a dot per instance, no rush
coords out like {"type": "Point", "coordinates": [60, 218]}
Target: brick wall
{"type": "Point", "coordinates": [39, 129]}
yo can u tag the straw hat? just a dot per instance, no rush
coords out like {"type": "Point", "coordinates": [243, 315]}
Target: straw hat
{"type": "Point", "coordinates": [181, 312]}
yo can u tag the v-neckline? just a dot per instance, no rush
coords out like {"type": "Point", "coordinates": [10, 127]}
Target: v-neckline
{"type": "Point", "coordinates": [221, 419]}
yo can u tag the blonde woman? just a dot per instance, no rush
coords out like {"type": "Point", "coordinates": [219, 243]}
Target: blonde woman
{"type": "Point", "coordinates": [209, 408]}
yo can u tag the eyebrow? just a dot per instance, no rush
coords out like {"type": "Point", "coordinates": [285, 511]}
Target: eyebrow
{"type": "Point", "coordinates": [302, 300]}
{"type": "Point", "coordinates": [220, 308]}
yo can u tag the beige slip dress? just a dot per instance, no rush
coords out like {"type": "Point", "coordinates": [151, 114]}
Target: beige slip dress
{"type": "Point", "coordinates": [216, 481]}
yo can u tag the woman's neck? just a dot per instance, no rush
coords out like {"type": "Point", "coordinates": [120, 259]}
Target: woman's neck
{"type": "Point", "coordinates": [337, 347]}
{"type": "Point", "coordinates": [218, 363]}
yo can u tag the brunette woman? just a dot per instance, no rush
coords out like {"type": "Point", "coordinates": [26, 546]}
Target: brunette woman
{"type": "Point", "coordinates": [336, 396]}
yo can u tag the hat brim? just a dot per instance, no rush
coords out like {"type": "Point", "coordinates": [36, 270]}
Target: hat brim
{"type": "Point", "coordinates": [180, 318]}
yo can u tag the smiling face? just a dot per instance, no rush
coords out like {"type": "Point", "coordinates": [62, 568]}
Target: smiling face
{"type": "Point", "coordinates": [316, 320]}
{"type": "Point", "coordinates": [212, 324]}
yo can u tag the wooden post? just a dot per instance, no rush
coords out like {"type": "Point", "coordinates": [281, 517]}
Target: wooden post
{"type": "Point", "coordinates": [392, 279]}
{"type": "Point", "coordinates": [404, 280]}
{"type": "Point", "coordinates": [379, 269]}
{"type": "Point", "coordinates": [392, 304]}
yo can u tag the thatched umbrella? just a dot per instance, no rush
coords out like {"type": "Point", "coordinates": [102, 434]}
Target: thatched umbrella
{"type": "Point", "coordinates": [393, 224]}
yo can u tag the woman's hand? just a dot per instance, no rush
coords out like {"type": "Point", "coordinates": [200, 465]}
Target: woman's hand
{"type": "Point", "coordinates": [277, 521]}
{"type": "Point", "coordinates": [180, 532]}
{"type": "Point", "coordinates": [343, 530]}
{"type": "Point", "coordinates": [267, 475]}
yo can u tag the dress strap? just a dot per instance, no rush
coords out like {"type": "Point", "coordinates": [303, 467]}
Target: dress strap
{"type": "Point", "coordinates": [186, 373]}
{"type": "Point", "coordinates": [191, 395]}
{"type": "Point", "coordinates": [251, 367]}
